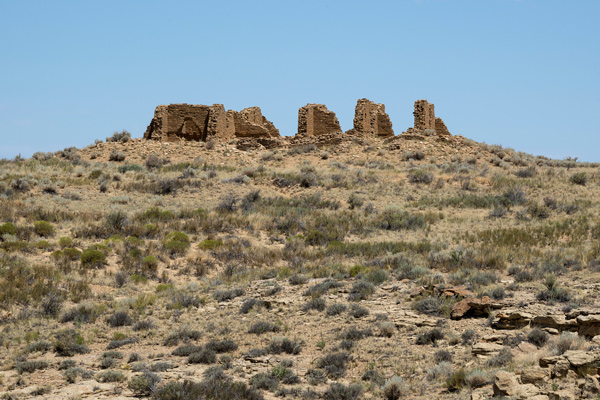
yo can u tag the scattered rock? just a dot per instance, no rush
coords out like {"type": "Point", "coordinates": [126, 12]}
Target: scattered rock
{"type": "Point", "coordinates": [534, 376]}
{"type": "Point", "coordinates": [507, 384]}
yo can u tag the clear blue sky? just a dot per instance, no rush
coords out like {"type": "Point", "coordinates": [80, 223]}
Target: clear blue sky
{"type": "Point", "coordinates": [524, 74]}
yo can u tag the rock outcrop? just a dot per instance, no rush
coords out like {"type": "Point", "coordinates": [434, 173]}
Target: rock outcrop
{"type": "Point", "coordinates": [192, 122]}
{"type": "Point", "coordinates": [474, 307]}
{"type": "Point", "coordinates": [317, 120]}
{"type": "Point", "coordinates": [370, 119]}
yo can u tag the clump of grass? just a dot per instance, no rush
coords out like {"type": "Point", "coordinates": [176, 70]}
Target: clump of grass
{"type": "Point", "coordinates": [110, 376]}
{"type": "Point", "coordinates": [394, 388]}
{"type": "Point", "coordinates": [553, 291]}
{"type": "Point", "coordinates": [335, 309]}
{"type": "Point", "coordinates": [579, 178]}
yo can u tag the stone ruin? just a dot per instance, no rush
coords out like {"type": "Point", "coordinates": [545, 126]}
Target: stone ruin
{"type": "Point", "coordinates": [317, 120]}
{"type": "Point", "coordinates": [191, 122]}
{"type": "Point", "coordinates": [425, 119]}
{"type": "Point", "coordinates": [370, 119]}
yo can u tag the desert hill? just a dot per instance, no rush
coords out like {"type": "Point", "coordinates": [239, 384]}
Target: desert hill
{"type": "Point", "coordinates": [326, 265]}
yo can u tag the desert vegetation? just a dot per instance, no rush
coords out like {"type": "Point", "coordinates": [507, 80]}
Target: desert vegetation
{"type": "Point", "coordinates": [184, 270]}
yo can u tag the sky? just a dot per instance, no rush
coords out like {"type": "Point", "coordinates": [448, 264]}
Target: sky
{"type": "Point", "coordinates": [524, 74]}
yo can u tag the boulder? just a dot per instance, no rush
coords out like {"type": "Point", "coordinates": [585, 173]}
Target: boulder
{"type": "Point", "coordinates": [580, 358]}
{"type": "Point", "coordinates": [588, 325]}
{"type": "Point", "coordinates": [511, 320]}
{"type": "Point", "coordinates": [474, 307]}
{"type": "Point", "coordinates": [507, 384]}
{"type": "Point", "coordinates": [486, 348]}
{"type": "Point", "coordinates": [556, 321]}
{"type": "Point", "coordinates": [534, 375]}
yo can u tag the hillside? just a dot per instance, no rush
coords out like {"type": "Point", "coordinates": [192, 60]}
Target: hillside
{"type": "Point", "coordinates": [413, 266]}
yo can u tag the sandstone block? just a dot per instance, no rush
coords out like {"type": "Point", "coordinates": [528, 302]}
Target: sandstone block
{"type": "Point", "coordinates": [486, 348]}
{"type": "Point", "coordinates": [316, 120]}
{"type": "Point", "coordinates": [474, 307]}
{"type": "Point", "coordinates": [370, 119]}
{"type": "Point", "coordinates": [511, 320]}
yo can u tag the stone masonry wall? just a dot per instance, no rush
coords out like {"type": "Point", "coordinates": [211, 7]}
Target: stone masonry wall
{"type": "Point", "coordinates": [316, 120]}
{"type": "Point", "coordinates": [201, 123]}
{"type": "Point", "coordinates": [370, 119]}
{"type": "Point", "coordinates": [424, 115]}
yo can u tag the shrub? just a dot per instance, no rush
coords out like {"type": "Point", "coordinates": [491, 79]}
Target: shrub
{"type": "Point", "coordinates": [322, 288]}
{"type": "Point", "coordinates": [115, 344]}
{"type": "Point", "coordinates": [441, 371]}
{"type": "Point", "coordinates": [83, 313]}
{"type": "Point", "coordinates": [122, 136]}
{"type": "Point", "coordinates": [120, 318]}
{"type": "Point", "coordinates": [579, 178]}
{"type": "Point", "coordinates": [43, 228]}
{"type": "Point", "coordinates": [377, 276]}
{"type": "Point", "coordinates": [394, 388]}
{"type": "Point", "coordinates": [183, 300]}
{"type": "Point", "coordinates": [186, 350]}
{"type": "Point", "coordinates": [182, 334]}
{"type": "Point", "coordinates": [334, 364]}
{"type": "Point", "coordinates": [110, 376]}
{"type": "Point", "coordinates": [457, 380]}
{"type": "Point", "coordinates": [8, 229]}
{"type": "Point", "coordinates": [203, 356]}
{"type": "Point", "coordinates": [264, 381]}
{"type": "Point", "coordinates": [338, 391]}
{"type": "Point", "coordinates": [177, 243]}
{"type": "Point", "coordinates": [249, 304]}
{"type": "Point", "coordinates": [222, 346]}
{"type": "Point", "coordinates": [553, 291]}
{"type": "Point", "coordinates": [468, 337]}
{"type": "Point", "coordinates": [335, 309]}
{"type": "Point", "coordinates": [566, 341]}
{"type": "Point", "coordinates": [420, 176]}
{"type": "Point", "coordinates": [537, 337]}
{"type": "Point", "coordinates": [395, 219]}
{"type": "Point", "coordinates": [209, 388]}
{"type": "Point", "coordinates": [91, 258]}
{"type": "Point", "coordinates": [225, 295]}
{"type": "Point", "coordinates": [143, 325]}
{"type": "Point", "coordinates": [30, 366]}
{"type": "Point", "coordinates": [442, 355]}
{"type": "Point", "coordinates": [52, 304]}
{"type": "Point", "coordinates": [144, 384]}
{"type": "Point", "coordinates": [41, 345]}
{"type": "Point", "coordinates": [500, 360]}
{"type": "Point", "coordinates": [314, 304]}
{"type": "Point", "coordinates": [361, 290]}
{"type": "Point", "coordinates": [284, 345]}
{"type": "Point", "coordinates": [260, 327]}
{"type": "Point", "coordinates": [478, 378]}
{"type": "Point", "coordinates": [65, 241]}
{"type": "Point", "coordinates": [116, 220]}
{"type": "Point", "coordinates": [358, 311]}
{"type": "Point", "coordinates": [117, 156]}
{"type": "Point", "coordinates": [430, 337]}
{"type": "Point", "coordinates": [68, 343]}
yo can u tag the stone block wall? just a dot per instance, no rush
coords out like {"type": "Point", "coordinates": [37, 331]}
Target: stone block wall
{"type": "Point", "coordinates": [370, 119]}
{"type": "Point", "coordinates": [316, 120]}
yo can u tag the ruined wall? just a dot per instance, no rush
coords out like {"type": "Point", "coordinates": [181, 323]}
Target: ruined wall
{"type": "Point", "coordinates": [425, 118]}
{"type": "Point", "coordinates": [370, 119]}
{"type": "Point", "coordinates": [316, 120]}
{"type": "Point", "coordinates": [424, 115]}
{"type": "Point", "coordinates": [201, 123]}
{"type": "Point", "coordinates": [440, 127]}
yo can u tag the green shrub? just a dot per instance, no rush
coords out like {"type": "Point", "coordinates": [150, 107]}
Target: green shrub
{"type": "Point", "coordinates": [203, 356]}
{"type": "Point", "coordinates": [144, 384]}
{"type": "Point", "coordinates": [43, 228]}
{"type": "Point", "coordinates": [8, 229]}
{"type": "Point", "coordinates": [553, 291]}
{"type": "Point", "coordinates": [68, 343]}
{"type": "Point", "coordinates": [30, 366]}
{"type": "Point", "coordinates": [209, 244]}
{"type": "Point", "coordinates": [110, 376]}
{"type": "Point", "coordinates": [394, 219]}
{"type": "Point", "coordinates": [177, 243]}
{"type": "Point", "coordinates": [579, 178]}
{"type": "Point", "coordinates": [361, 290]}
{"type": "Point", "coordinates": [149, 265]}
{"type": "Point", "coordinates": [457, 380]}
{"type": "Point", "coordinates": [92, 259]}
